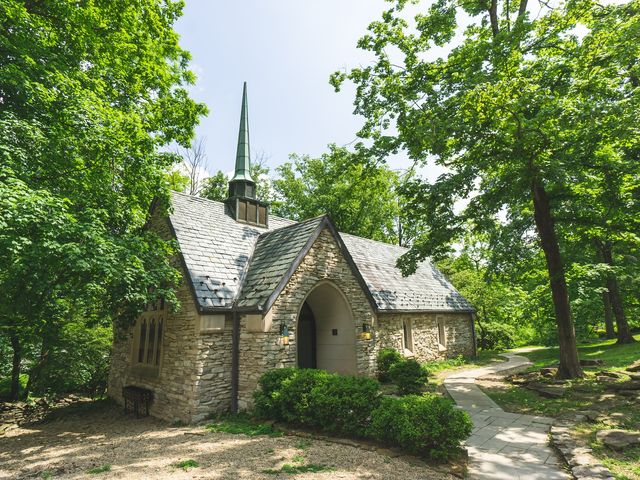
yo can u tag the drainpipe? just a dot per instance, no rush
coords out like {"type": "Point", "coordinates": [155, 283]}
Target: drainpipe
{"type": "Point", "coordinates": [235, 361]}
{"type": "Point", "coordinates": [473, 334]}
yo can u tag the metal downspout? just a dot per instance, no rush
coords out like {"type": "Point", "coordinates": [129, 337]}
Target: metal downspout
{"type": "Point", "coordinates": [235, 361]}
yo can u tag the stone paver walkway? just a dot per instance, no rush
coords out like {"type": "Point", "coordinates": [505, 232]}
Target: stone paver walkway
{"type": "Point", "coordinates": [503, 445]}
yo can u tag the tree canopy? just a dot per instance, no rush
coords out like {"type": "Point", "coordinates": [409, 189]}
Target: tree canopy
{"type": "Point", "coordinates": [524, 111]}
{"type": "Point", "coordinates": [359, 196]}
{"type": "Point", "coordinates": [89, 94]}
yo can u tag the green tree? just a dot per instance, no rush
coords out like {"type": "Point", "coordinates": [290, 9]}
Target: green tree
{"type": "Point", "coordinates": [216, 187]}
{"type": "Point", "coordinates": [89, 95]}
{"type": "Point", "coordinates": [359, 195]}
{"type": "Point", "coordinates": [177, 181]}
{"type": "Point", "coordinates": [506, 111]}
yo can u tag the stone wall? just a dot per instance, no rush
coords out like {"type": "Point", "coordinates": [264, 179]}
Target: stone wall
{"type": "Point", "coordinates": [174, 383]}
{"type": "Point", "coordinates": [458, 331]}
{"type": "Point", "coordinates": [262, 351]}
{"type": "Point", "coordinates": [194, 377]}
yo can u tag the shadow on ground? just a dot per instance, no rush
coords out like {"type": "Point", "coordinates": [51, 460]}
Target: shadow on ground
{"type": "Point", "coordinates": [79, 438]}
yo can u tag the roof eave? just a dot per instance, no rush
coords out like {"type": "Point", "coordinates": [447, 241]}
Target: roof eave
{"type": "Point", "coordinates": [426, 310]}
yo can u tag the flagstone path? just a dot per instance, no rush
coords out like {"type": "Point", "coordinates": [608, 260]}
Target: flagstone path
{"type": "Point", "coordinates": [503, 445]}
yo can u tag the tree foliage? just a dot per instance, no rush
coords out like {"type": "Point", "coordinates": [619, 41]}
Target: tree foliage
{"type": "Point", "coordinates": [524, 112]}
{"type": "Point", "coordinates": [359, 196]}
{"type": "Point", "coordinates": [89, 94]}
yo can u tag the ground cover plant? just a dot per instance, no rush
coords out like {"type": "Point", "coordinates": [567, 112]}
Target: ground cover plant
{"type": "Point", "coordinates": [186, 465]}
{"type": "Point", "coordinates": [100, 469]}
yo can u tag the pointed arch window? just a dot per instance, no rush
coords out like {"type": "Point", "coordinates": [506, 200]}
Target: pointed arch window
{"type": "Point", "coordinates": [148, 338]}
{"type": "Point", "coordinates": [142, 340]}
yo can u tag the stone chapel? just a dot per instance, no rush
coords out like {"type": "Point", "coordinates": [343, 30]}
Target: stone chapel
{"type": "Point", "coordinates": [262, 292]}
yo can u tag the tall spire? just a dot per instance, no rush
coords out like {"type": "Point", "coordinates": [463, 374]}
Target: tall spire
{"type": "Point", "coordinates": [243, 161]}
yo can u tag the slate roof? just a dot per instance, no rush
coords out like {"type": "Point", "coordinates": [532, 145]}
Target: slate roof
{"type": "Point", "coordinates": [215, 247]}
{"type": "Point", "coordinates": [425, 290]}
{"type": "Point", "coordinates": [275, 252]}
{"type": "Point", "coordinates": [235, 264]}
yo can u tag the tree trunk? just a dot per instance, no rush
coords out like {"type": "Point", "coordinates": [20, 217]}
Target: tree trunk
{"type": "Point", "coordinates": [569, 362]}
{"type": "Point", "coordinates": [608, 317]}
{"type": "Point", "coordinates": [14, 393]}
{"type": "Point", "coordinates": [624, 332]}
{"type": "Point", "coordinates": [493, 17]}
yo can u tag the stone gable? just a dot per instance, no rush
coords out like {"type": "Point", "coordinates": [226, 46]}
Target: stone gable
{"type": "Point", "coordinates": [261, 351]}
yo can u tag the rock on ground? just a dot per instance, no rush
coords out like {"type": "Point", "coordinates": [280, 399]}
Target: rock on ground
{"type": "Point", "coordinates": [618, 439]}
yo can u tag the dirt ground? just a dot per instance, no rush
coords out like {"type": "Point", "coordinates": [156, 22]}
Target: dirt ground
{"type": "Point", "coordinates": [75, 441]}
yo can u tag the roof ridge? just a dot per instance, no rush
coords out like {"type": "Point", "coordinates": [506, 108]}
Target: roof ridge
{"type": "Point", "coordinates": [386, 244]}
{"type": "Point", "coordinates": [296, 224]}
{"type": "Point", "coordinates": [208, 200]}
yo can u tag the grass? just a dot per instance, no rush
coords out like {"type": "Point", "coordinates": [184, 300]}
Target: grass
{"type": "Point", "coordinates": [303, 445]}
{"type": "Point", "coordinates": [624, 465]}
{"type": "Point", "coordinates": [242, 424]}
{"type": "Point", "coordinates": [518, 399]}
{"type": "Point", "coordinates": [186, 464]}
{"type": "Point", "coordinates": [436, 368]}
{"type": "Point", "coordinates": [100, 469]}
{"type": "Point", "coordinates": [296, 469]}
{"type": "Point", "coordinates": [585, 394]}
{"type": "Point", "coordinates": [580, 392]}
{"type": "Point", "coordinates": [615, 357]}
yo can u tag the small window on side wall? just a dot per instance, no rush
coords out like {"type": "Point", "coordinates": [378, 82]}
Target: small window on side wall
{"type": "Point", "coordinates": [407, 336]}
{"type": "Point", "coordinates": [442, 335]}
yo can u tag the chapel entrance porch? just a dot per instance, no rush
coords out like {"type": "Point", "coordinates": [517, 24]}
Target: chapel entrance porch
{"type": "Point", "coordinates": [326, 333]}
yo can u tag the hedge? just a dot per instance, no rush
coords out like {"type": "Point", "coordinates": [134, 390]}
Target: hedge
{"type": "Point", "coordinates": [317, 399]}
{"type": "Point", "coordinates": [425, 425]}
{"type": "Point", "coordinates": [409, 376]}
{"type": "Point", "coordinates": [387, 358]}
{"type": "Point", "coordinates": [352, 406]}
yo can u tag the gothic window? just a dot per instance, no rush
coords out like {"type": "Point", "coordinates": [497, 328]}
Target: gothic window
{"type": "Point", "coordinates": [148, 338]}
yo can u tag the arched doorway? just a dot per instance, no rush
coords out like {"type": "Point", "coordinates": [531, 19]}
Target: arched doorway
{"type": "Point", "coordinates": [326, 334]}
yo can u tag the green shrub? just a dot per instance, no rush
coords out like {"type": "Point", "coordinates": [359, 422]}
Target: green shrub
{"type": "Point", "coordinates": [387, 357]}
{"type": "Point", "coordinates": [5, 386]}
{"type": "Point", "coordinates": [318, 399]}
{"type": "Point", "coordinates": [424, 425]}
{"type": "Point", "coordinates": [267, 399]}
{"type": "Point", "coordinates": [496, 336]}
{"type": "Point", "coordinates": [343, 404]}
{"type": "Point", "coordinates": [409, 376]}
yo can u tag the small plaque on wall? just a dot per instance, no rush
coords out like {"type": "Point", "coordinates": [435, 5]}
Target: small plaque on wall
{"type": "Point", "coordinates": [211, 323]}
{"type": "Point", "coordinates": [334, 332]}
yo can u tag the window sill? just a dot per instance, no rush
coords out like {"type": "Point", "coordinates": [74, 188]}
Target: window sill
{"type": "Point", "coordinates": [211, 331]}
{"type": "Point", "coordinates": [145, 371]}
{"type": "Point", "coordinates": [408, 353]}
{"type": "Point", "coordinates": [442, 348]}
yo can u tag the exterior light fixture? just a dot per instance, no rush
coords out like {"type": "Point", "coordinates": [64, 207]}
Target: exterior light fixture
{"type": "Point", "coordinates": [366, 331]}
{"type": "Point", "coordinates": [284, 334]}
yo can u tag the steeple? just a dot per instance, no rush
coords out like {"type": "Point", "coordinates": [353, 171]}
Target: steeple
{"type": "Point", "coordinates": [243, 160]}
{"type": "Point", "coordinates": [242, 203]}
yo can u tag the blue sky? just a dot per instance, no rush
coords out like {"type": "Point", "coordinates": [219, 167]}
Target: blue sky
{"type": "Point", "coordinates": [285, 50]}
